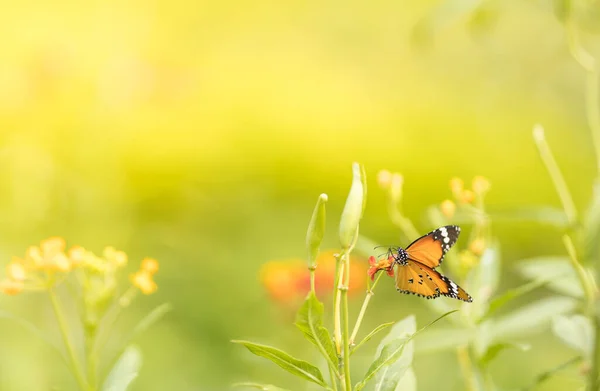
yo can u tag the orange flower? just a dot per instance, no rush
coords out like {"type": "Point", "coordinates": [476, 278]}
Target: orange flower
{"type": "Point", "coordinates": [386, 264]}
{"type": "Point", "coordinates": [150, 265]}
{"type": "Point", "coordinates": [144, 282]}
{"type": "Point", "coordinates": [467, 196]}
{"type": "Point", "coordinates": [288, 281]}
{"type": "Point", "coordinates": [11, 287]}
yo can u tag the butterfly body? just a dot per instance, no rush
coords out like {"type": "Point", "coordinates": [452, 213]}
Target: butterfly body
{"type": "Point", "coordinates": [415, 266]}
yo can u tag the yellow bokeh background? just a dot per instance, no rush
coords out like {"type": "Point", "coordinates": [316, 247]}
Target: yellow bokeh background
{"type": "Point", "coordinates": [201, 133]}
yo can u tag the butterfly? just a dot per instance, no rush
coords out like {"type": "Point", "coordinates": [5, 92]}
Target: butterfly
{"type": "Point", "coordinates": [415, 265]}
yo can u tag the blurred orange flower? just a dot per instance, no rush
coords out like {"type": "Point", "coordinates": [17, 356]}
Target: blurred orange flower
{"type": "Point", "coordinates": [288, 281]}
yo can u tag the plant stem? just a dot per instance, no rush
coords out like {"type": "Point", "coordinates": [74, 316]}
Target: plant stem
{"type": "Point", "coordinates": [92, 358]}
{"type": "Point", "coordinates": [363, 309]}
{"type": "Point", "coordinates": [467, 369]}
{"type": "Point", "coordinates": [559, 181]}
{"type": "Point", "coordinates": [334, 379]}
{"type": "Point", "coordinates": [585, 280]}
{"type": "Point", "coordinates": [400, 220]}
{"type": "Point", "coordinates": [345, 333]}
{"type": "Point", "coordinates": [593, 382]}
{"type": "Point", "coordinates": [337, 322]}
{"type": "Point", "coordinates": [64, 329]}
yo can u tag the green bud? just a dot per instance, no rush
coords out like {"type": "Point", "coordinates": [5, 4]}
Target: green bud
{"type": "Point", "coordinates": [316, 230]}
{"type": "Point", "coordinates": [353, 209]}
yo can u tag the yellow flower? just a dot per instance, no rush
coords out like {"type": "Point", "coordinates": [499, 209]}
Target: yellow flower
{"type": "Point", "coordinates": [384, 179]}
{"type": "Point", "coordinates": [477, 246]}
{"type": "Point", "coordinates": [448, 208]}
{"type": "Point", "coordinates": [77, 255]}
{"type": "Point", "coordinates": [480, 184]}
{"type": "Point", "coordinates": [467, 196]}
{"type": "Point", "coordinates": [150, 265]}
{"type": "Point", "coordinates": [396, 186]}
{"type": "Point", "coordinates": [119, 258]}
{"type": "Point", "coordinates": [457, 186]}
{"type": "Point", "coordinates": [16, 271]}
{"type": "Point", "coordinates": [143, 281]}
{"type": "Point", "coordinates": [11, 287]}
{"type": "Point", "coordinates": [52, 246]}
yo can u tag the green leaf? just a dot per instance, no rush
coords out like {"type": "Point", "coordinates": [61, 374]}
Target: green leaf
{"type": "Point", "coordinates": [495, 349]}
{"type": "Point", "coordinates": [389, 377]}
{"type": "Point", "coordinates": [576, 331]}
{"type": "Point", "coordinates": [125, 370]}
{"type": "Point", "coordinates": [310, 321]}
{"type": "Point", "coordinates": [511, 294]}
{"type": "Point", "coordinates": [294, 366]}
{"type": "Point", "coordinates": [33, 329]}
{"type": "Point", "coordinates": [556, 270]}
{"type": "Point", "coordinates": [528, 319]}
{"type": "Point", "coordinates": [144, 324]}
{"type": "Point", "coordinates": [390, 352]}
{"type": "Point", "coordinates": [370, 335]}
{"type": "Point", "coordinates": [263, 387]}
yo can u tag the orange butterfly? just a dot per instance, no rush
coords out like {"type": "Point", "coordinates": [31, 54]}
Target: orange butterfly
{"type": "Point", "coordinates": [415, 271]}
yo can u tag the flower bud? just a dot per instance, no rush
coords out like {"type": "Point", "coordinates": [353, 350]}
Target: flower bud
{"type": "Point", "coordinates": [352, 210]}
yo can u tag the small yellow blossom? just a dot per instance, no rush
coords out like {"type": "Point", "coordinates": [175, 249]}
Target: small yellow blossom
{"type": "Point", "coordinates": [52, 246]}
{"type": "Point", "coordinates": [384, 179]}
{"type": "Point", "coordinates": [77, 255]}
{"type": "Point", "coordinates": [477, 246]}
{"type": "Point", "coordinates": [16, 271]}
{"type": "Point", "coordinates": [467, 196]}
{"type": "Point", "coordinates": [11, 287]}
{"type": "Point", "coordinates": [457, 186]}
{"type": "Point", "coordinates": [480, 184]}
{"type": "Point", "coordinates": [119, 258]}
{"type": "Point", "coordinates": [144, 282]}
{"type": "Point", "coordinates": [396, 186]}
{"type": "Point", "coordinates": [34, 254]}
{"type": "Point", "coordinates": [150, 265]}
{"type": "Point", "coordinates": [448, 208]}
{"type": "Point", "coordinates": [61, 262]}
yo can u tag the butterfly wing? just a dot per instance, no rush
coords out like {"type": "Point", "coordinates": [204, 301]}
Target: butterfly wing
{"type": "Point", "coordinates": [418, 279]}
{"type": "Point", "coordinates": [431, 248]}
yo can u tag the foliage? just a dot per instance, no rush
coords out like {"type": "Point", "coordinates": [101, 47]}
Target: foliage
{"type": "Point", "coordinates": [95, 287]}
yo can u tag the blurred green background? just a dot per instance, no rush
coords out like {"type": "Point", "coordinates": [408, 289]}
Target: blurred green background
{"type": "Point", "coordinates": [201, 133]}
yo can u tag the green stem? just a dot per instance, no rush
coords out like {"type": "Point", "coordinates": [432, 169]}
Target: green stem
{"type": "Point", "coordinates": [363, 309]}
{"type": "Point", "coordinates": [92, 359]}
{"type": "Point", "coordinates": [559, 181]}
{"type": "Point", "coordinates": [64, 329]}
{"type": "Point", "coordinates": [337, 322]}
{"type": "Point", "coordinates": [399, 220]}
{"type": "Point", "coordinates": [345, 333]}
{"type": "Point", "coordinates": [334, 379]}
{"type": "Point", "coordinates": [593, 382]}
{"type": "Point", "coordinates": [585, 280]}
